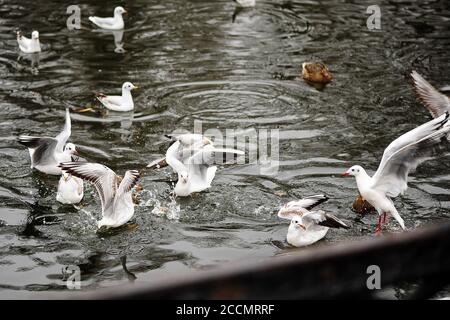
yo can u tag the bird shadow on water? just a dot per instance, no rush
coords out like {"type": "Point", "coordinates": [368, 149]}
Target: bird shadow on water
{"type": "Point", "coordinates": [37, 216]}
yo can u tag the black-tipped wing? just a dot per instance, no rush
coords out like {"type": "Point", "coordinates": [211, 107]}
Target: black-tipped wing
{"type": "Point", "coordinates": [128, 182]}
{"type": "Point", "coordinates": [332, 221]}
{"type": "Point", "coordinates": [158, 163]}
{"type": "Point", "coordinates": [436, 102]}
{"type": "Point", "coordinates": [324, 219]}
{"type": "Point", "coordinates": [43, 148]}
{"type": "Point", "coordinates": [301, 207]}
{"type": "Point", "coordinates": [308, 202]}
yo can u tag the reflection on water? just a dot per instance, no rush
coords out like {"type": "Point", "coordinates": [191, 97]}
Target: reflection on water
{"type": "Point", "coordinates": [32, 59]}
{"type": "Point", "coordinates": [204, 61]}
{"type": "Point", "coordinates": [118, 36]}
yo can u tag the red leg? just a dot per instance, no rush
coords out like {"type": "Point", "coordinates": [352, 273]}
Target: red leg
{"type": "Point", "coordinates": [378, 228]}
{"type": "Point", "coordinates": [385, 218]}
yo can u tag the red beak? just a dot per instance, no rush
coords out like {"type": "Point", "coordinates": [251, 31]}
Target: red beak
{"type": "Point", "coordinates": [345, 174]}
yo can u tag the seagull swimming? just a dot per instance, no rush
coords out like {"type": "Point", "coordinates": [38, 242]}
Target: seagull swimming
{"type": "Point", "coordinates": [119, 103]}
{"type": "Point", "coordinates": [70, 189]}
{"type": "Point", "coordinates": [29, 45]}
{"type": "Point", "coordinates": [114, 23]}
{"type": "Point", "coordinates": [46, 153]}
{"type": "Point", "coordinates": [308, 227]}
{"type": "Point", "coordinates": [436, 102]}
{"type": "Point", "coordinates": [402, 155]}
{"type": "Point", "coordinates": [193, 158]}
{"type": "Point", "coordinates": [246, 3]}
{"type": "Point", "coordinates": [115, 195]}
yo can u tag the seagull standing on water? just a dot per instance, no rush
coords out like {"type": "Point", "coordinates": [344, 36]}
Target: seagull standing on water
{"type": "Point", "coordinates": [308, 227]}
{"type": "Point", "coordinates": [193, 158]}
{"type": "Point", "coordinates": [29, 45]}
{"type": "Point", "coordinates": [114, 23]}
{"type": "Point", "coordinates": [119, 103]}
{"type": "Point", "coordinates": [436, 102]}
{"type": "Point", "coordinates": [116, 196]}
{"type": "Point", "coordinates": [403, 155]}
{"type": "Point", "coordinates": [47, 153]}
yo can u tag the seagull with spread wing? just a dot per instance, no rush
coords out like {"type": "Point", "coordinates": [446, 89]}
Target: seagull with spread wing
{"type": "Point", "coordinates": [308, 227]}
{"type": "Point", "coordinates": [437, 103]}
{"type": "Point", "coordinates": [194, 158]}
{"type": "Point", "coordinates": [402, 156]}
{"type": "Point", "coordinates": [115, 195]}
{"type": "Point", "coordinates": [47, 153]}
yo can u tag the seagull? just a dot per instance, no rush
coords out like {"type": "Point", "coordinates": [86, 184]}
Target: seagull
{"type": "Point", "coordinates": [436, 102]}
{"type": "Point", "coordinates": [115, 23]}
{"type": "Point", "coordinates": [46, 153]}
{"type": "Point", "coordinates": [403, 155]}
{"type": "Point", "coordinates": [246, 3]}
{"type": "Point", "coordinates": [70, 189]}
{"type": "Point", "coordinates": [29, 45]}
{"type": "Point", "coordinates": [193, 158]}
{"type": "Point", "coordinates": [308, 227]}
{"type": "Point", "coordinates": [115, 194]}
{"type": "Point", "coordinates": [119, 103]}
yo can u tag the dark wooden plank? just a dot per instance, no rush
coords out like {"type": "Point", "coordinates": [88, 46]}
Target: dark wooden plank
{"type": "Point", "coordinates": [331, 272]}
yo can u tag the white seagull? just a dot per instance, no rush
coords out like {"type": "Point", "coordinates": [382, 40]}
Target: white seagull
{"type": "Point", "coordinates": [193, 157]}
{"type": "Point", "coordinates": [119, 103]}
{"type": "Point", "coordinates": [115, 195]}
{"type": "Point", "coordinates": [114, 23]}
{"type": "Point", "coordinates": [403, 155]}
{"type": "Point", "coordinates": [308, 227]}
{"type": "Point", "coordinates": [246, 3]}
{"type": "Point", "coordinates": [436, 102]}
{"type": "Point", "coordinates": [29, 45]}
{"type": "Point", "coordinates": [47, 153]}
{"type": "Point", "coordinates": [70, 189]}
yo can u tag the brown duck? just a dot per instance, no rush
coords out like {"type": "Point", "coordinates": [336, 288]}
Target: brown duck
{"type": "Point", "coordinates": [316, 72]}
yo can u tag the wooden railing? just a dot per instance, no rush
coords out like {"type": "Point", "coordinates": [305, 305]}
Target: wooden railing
{"type": "Point", "coordinates": [336, 271]}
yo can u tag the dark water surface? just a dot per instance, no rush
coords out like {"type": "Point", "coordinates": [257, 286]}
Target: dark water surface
{"type": "Point", "coordinates": [192, 63]}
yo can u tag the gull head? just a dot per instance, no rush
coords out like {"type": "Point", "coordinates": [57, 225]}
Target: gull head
{"type": "Point", "coordinates": [35, 35]}
{"type": "Point", "coordinates": [183, 177]}
{"type": "Point", "coordinates": [119, 10]}
{"type": "Point", "coordinates": [353, 171]}
{"type": "Point", "coordinates": [128, 86]}
{"type": "Point", "coordinates": [297, 224]}
{"type": "Point", "coordinates": [71, 149]}
{"type": "Point", "coordinates": [66, 175]}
